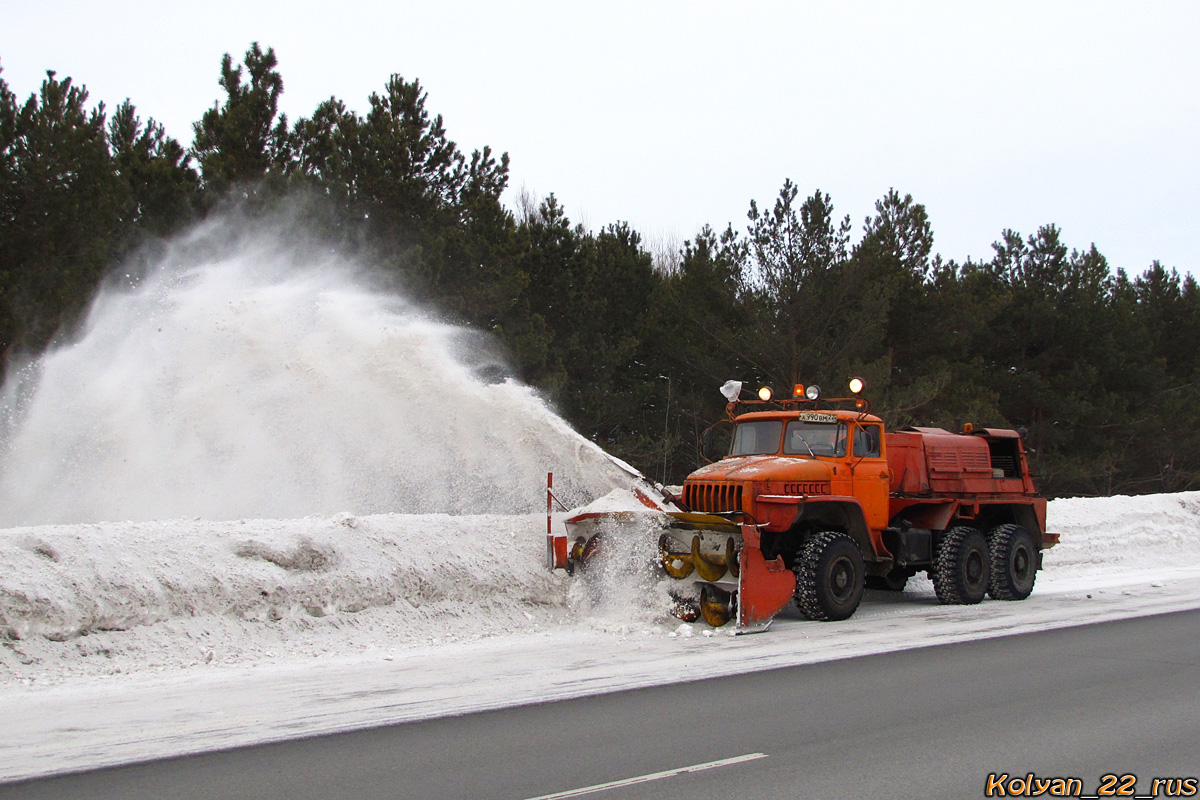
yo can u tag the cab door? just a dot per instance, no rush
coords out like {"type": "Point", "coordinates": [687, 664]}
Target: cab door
{"type": "Point", "coordinates": [872, 481]}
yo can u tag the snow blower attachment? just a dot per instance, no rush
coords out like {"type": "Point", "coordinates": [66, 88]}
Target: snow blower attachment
{"type": "Point", "coordinates": [716, 558]}
{"type": "Point", "coordinates": [814, 503]}
{"type": "Point", "coordinates": [724, 559]}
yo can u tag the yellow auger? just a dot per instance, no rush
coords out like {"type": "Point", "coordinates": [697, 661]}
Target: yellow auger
{"type": "Point", "coordinates": [716, 605]}
{"type": "Point", "coordinates": [709, 566]}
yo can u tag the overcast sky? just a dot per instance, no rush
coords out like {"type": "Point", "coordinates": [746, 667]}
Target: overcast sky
{"type": "Point", "coordinates": [671, 115]}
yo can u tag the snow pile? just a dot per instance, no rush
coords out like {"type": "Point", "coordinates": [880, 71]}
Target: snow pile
{"type": "Point", "coordinates": [110, 598]}
{"type": "Point", "coordinates": [620, 501]}
{"type": "Point", "coordinates": [254, 373]}
{"type": "Point", "coordinates": [107, 598]}
{"type": "Point", "coordinates": [1118, 535]}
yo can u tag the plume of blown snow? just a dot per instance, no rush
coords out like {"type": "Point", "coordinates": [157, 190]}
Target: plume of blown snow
{"type": "Point", "coordinates": [254, 373]}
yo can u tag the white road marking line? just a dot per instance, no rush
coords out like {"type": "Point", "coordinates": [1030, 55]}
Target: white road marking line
{"type": "Point", "coordinates": [654, 776]}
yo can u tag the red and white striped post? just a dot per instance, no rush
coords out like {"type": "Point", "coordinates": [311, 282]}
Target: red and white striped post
{"type": "Point", "coordinates": [556, 546]}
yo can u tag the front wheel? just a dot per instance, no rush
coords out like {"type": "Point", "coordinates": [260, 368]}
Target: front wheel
{"type": "Point", "coordinates": [962, 567]}
{"type": "Point", "coordinates": [829, 576]}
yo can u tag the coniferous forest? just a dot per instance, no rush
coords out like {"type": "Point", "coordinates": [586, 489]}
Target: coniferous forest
{"type": "Point", "coordinates": [1101, 367]}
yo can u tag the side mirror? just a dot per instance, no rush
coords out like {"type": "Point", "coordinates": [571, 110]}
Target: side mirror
{"type": "Point", "coordinates": [706, 444]}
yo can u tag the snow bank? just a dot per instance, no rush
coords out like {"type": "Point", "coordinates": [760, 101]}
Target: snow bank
{"type": "Point", "coordinates": [106, 598]}
{"type": "Point", "coordinates": [1116, 534]}
{"type": "Point", "coordinates": [109, 598]}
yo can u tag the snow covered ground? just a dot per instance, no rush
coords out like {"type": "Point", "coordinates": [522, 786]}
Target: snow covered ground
{"type": "Point", "coordinates": [121, 642]}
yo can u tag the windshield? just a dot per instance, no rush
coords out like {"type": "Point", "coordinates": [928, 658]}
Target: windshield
{"type": "Point", "coordinates": [815, 439]}
{"type": "Point", "coordinates": [756, 438]}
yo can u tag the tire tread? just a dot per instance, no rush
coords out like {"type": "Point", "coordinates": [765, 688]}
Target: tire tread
{"type": "Point", "coordinates": [947, 572]}
{"type": "Point", "coordinates": [1001, 584]}
{"type": "Point", "coordinates": [808, 565]}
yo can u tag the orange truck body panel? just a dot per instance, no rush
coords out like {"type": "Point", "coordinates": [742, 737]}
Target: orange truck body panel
{"type": "Point", "coordinates": [937, 475]}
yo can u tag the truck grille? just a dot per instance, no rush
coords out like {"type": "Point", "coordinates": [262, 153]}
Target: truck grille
{"type": "Point", "coordinates": [713, 497]}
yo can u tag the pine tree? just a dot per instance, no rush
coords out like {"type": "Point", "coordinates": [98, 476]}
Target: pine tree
{"type": "Point", "coordinates": [324, 150]}
{"type": "Point", "coordinates": [894, 255]}
{"type": "Point", "coordinates": [156, 170]}
{"type": "Point", "coordinates": [1058, 362]}
{"type": "Point", "coordinates": [237, 143]}
{"type": "Point", "coordinates": [701, 341]}
{"type": "Point", "coordinates": [817, 318]}
{"type": "Point", "coordinates": [64, 211]}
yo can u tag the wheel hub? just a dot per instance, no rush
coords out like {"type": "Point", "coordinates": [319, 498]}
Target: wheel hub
{"type": "Point", "coordinates": [840, 579]}
{"type": "Point", "coordinates": [974, 568]}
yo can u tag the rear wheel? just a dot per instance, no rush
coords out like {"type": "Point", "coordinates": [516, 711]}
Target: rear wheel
{"type": "Point", "coordinates": [1013, 562]}
{"type": "Point", "coordinates": [829, 576]}
{"type": "Point", "coordinates": [962, 567]}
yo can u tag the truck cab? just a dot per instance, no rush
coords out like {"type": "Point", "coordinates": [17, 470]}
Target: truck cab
{"type": "Point", "coordinates": [783, 462]}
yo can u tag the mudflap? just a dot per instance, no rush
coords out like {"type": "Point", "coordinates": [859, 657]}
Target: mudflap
{"type": "Point", "coordinates": [764, 587]}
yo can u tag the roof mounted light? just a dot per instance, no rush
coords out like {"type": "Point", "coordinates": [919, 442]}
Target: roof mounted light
{"type": "Point", "coordinates": [856, 385]}
{"type": "Point", "coordinates": [798, 390]}
{"type": "Point", "coordinates": [764, 393]}
{"type": "Point", "coordinates": [813, 392]}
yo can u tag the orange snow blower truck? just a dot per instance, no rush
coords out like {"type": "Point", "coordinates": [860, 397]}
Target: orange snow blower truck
{"type": "Point", "coordinates": [815, 502]}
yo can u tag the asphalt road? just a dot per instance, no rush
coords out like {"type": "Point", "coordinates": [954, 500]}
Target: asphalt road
{"type": "Point", "coordinates": [1119, 698]}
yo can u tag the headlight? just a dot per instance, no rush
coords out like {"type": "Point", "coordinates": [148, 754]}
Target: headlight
{"type": "Point", "coordinates": [764, 393]}
{"type": "Point", "coordinates": [813, 392]}
{"type": "Point", "coordinates": [856, 385]}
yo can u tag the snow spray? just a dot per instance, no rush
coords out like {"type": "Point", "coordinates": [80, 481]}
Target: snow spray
{"type": "Point", "coordinates": [622, 588]}
{"type": "Point", "coordinates": [251, 372]}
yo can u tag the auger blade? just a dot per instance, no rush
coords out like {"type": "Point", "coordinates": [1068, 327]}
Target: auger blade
{"type": "Point", "coordinates": [686, 609]}
{"type": "Point", "coordinates": [677, 565]}
{"type": "Point", "coordinates": [707, 567]}
{"type": "Point", "coordinates": [716, 605]}
{"type": "Point", "coordinates": [732, 557]}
